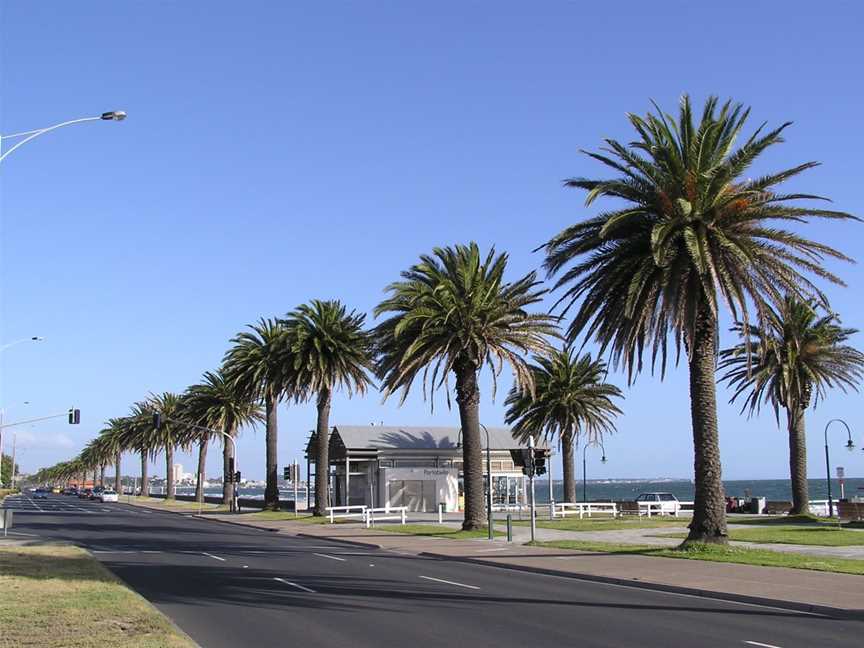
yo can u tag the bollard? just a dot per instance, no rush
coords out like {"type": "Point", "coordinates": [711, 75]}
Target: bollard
{"type": "Point", "coordinates": [509, 527]}
{"type": "Point", "coordinates": [441, 513]}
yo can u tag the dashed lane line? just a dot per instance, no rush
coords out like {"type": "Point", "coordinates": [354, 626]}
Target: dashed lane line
{"type": "Point", "coordinates": [330, 557]}
{"type": "Point", "coordinates": [297, 585]}
{"type": "Point", "coordinates": [212, 556]}
{"type": "Point", "coordinates": [447, 582]}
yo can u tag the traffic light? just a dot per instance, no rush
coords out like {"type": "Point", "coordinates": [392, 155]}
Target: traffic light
{"type": "Point", "coordinates": [237, 477]}
{"type": "Point", "coordinates": [528, 462]}
{"type": "Point", "coordinates": [74, 416]}
{"type": "Point", "coordinates": [540, 456]}
{"type": "Point", "coordinates": [157, 420]}
{"type": "Point", "coordinates": [286, 473]}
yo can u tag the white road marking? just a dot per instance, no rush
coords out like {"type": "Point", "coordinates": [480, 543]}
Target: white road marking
{"type": "Point", "coordinates": [245, 566]}
{"type": "Point", "coordinates": [152, 551]}
{"type": "Point", "coordinates": [297, 585]}
{"type": "Point", "coordinates": [212, 556]}
{"type": "Point", "coordinates": [441, 580]}
{"type": "Point", "coordinates": [489, 550]}
{"type": "Point", "coordinates": [330, 557]}
{"type": "Point", "coordinates": [32, 535]}
{"type": "Point", "coordinates": [763, 645]}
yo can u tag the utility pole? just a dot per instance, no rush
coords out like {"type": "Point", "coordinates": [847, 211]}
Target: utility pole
{"type": "Point", "coordinates": [531, 485]}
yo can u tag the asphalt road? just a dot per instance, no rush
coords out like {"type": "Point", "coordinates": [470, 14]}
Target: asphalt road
{"type": "Point", "coordinates": [232, 587]}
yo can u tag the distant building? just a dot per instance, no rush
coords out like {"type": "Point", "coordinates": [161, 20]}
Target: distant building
{"type": "Point", "coordinates": [417, 467]}
{"type": "Point", "coordinates": [177, 472]}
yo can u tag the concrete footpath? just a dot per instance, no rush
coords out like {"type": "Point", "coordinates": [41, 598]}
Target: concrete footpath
{"type": "Point", "coordinates": [797, 589]}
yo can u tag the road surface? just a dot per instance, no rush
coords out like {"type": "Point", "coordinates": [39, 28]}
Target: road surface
{"type": "Point", "coordinates": [231, 587]}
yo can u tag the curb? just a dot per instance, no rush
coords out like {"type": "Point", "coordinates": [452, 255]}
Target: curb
{"type": "Point", "coordinates": [241, 524]}
{"type": "Point", "coordinates": [823, 610]}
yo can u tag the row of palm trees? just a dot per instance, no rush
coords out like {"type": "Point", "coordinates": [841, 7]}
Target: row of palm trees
{"type": "Point", "coordinates": [688, 233]}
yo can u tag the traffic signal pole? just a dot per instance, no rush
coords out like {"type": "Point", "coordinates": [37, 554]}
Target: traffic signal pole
{"type": "Point", "coordinates": [531, 491]}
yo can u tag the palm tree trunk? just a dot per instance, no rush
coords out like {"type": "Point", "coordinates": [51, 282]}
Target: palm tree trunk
{"type": "Point", "coordinates": [322, 456]}
{"type": "Point", "coordinates": [117, 479]}
{"type": "Point", "coordinates": [709, 506]}
{"type": "Point", "coordinates": [102, 475]}
{"type": "Point", "coordinates": [199, 476]}
{"type": "Point", "coordinates": [145, 479]}
{"type": "Point", "coordinates": [271, 492]}
{"type": "Point", "coordinates": [798, 461]}
{"type": "Point", "coordinates": [169, 477]}
{"type": "Point", "coordinates": [227, 466]}
{"type": "Point", "coordinates": [569, 467]}
{"type": "Point", "coordinates": [468, 397]}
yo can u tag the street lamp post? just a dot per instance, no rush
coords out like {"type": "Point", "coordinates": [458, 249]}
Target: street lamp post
{"type": "Point", "coordinates": [849, 446]}
{"type": "Point", "coordinates": [114, 115]}
{"type": "Point", "coordinates": [489, 478]}
{"type": "Point", "coordinates": [585, 472]}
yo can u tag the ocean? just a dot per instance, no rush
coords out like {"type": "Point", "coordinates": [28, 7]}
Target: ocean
{"type": "Point", "coordinates": [628, 489]}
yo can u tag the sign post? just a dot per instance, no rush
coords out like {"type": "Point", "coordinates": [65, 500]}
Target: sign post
{"type": "Point", "coordinates": [295, 480]}
{"type": "Point", "coordinates": [841, 473]}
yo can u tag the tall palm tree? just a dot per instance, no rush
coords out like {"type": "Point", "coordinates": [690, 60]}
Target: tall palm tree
{"type": "Point", "coordinates": [692, 231]}
{"type": "Point", "coordinates": [258, 367]}
{"type": "Point", "coordinates": [114, 434]}
{"type": "Point", "coordinates": [138, 435]}
{"type": "Point", "coordinates": [331, 350]}
{"type": "Point", "coordinates": [454, 312]}
{"type": "Point", "coordinates": [571, 399]}
{"type": "Point", "coordinates": [170, 434]}
{"type": "Point", "coordinates": [214, 404]}
{"type": "Point", "coordinates": [798, 356]}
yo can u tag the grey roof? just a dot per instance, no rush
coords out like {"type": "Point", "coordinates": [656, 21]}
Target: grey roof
{"type": "Point", "coordinates": [370, 437]}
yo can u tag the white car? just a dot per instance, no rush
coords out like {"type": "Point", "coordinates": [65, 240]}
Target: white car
{"type": "Point", "coordinates": [662, 503]}
{"type": "Point", "coordinates": [107, 496]}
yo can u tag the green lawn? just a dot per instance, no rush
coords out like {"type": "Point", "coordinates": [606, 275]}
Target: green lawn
{"type": "Point", "coordinates": [720, 554]}
{"type": "Point", "coordinates": [180, 505]}
{"type": "Point", "coordinates": [436, 530]}
{"type": "Point", "coordinates": [823, 536]}
{"type": "Point", "coordinates": [303, 518]}
{"type": "Point", "coordinates": [58, 597]}
{"type": "Point", "coordinates": [782, 520]}
{"type": "Point", "coordinates": [606, 523]}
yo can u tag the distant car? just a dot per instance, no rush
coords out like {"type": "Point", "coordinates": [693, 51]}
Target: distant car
{"type": "Point", "coordinates": [40, 493]}
{"type": "Point", "coordinates": [663, 503]}
{"type": "Point", "coordinates": [107, 496]}
{"type": "Point", "coordinates": [94, 494]}
{"type": "Point", "coordinates": [85, 494]}
{"type": "Point", "coordinates": [70, 491]}
{"type": "Point", "coordinates": [56, 490]}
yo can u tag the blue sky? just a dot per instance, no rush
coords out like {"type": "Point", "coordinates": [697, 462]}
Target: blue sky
{"type": "Point", "coordinates": [277, 152]}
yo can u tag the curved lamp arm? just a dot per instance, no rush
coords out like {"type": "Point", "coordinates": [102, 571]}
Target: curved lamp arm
{"type": "Point", "coordinates": [116, 115]}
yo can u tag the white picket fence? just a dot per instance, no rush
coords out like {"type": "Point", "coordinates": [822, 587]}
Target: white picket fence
{"type": "Point", "coordinates": [563, 509]}
{"type": "Point", "coordinates": [346, 512]}
{"type": "Point", "coordinates": [372, 515]}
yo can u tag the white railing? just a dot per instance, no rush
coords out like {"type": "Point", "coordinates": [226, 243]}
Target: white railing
{"type": "Point", "coordinates": [343, 512]}
{"type": "Point", "coordinates": [370, 515]}
{"type": "Point", "coordinates": [563, 509]}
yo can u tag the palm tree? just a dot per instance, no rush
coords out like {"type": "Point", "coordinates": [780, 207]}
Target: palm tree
{"type": "Point", "coordinates": [571, 398]}
{"type": "Point", "coordinates": [214, 404]}
{"type": "Point", "coordinates": [331, 350]}
{"type": "Point", "coordinates": [798, 354]}
{"type": "Point", "coordinates": [453, 312]}
{"type": "Point", "coordinates": [692, 231]}
{"type": "Point", "coordinates": [170, 433]}
{"type": "Point", "coordinates": [138, 435]}
{"type": "Point", "coordinates": [114, 435]}
{"type": "Point", "coordinates": [258, 367]}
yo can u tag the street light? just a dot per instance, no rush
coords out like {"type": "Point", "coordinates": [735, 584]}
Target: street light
{"type": "Point", "coordinates": [849, 446]}
{"type": "Point", "coordinates": [35, 338]}
{"type": "Point", "coordinates": [584, 471]}
{"type": "Point", "coordinates": [489, 479]}
{"type": "Point", "coordinates": [113, 115]}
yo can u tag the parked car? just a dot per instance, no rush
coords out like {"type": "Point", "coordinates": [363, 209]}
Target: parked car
{"type": "Point", "coordinates": [107, 495]}
{"type": "Point", "coordinates": [94, 494]}
{"type": "Point", "coordinates": [85, 494]}
{"type": "Point", "coordinates": [40, 493]}
{"type": "Point", "coordinates": [662, 503]}
{"type": "Point", "coordinates": [56, 490]}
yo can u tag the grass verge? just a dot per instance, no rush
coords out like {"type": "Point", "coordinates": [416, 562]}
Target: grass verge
{"type": "Point", "coordinates": [58, 596]}
{"type": "Point", "coordinates": [436, 530]}
{"type": "Point", "coordinates": [172, 505]}
{"type": "Point", "coordinates": [607, 523]}
{"type": "Point", "coordinates": [821, 536]}
{"type": "Point", "coordinates": [711, 553]}
{"type": "Point", "coordinates": [288, 516]}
